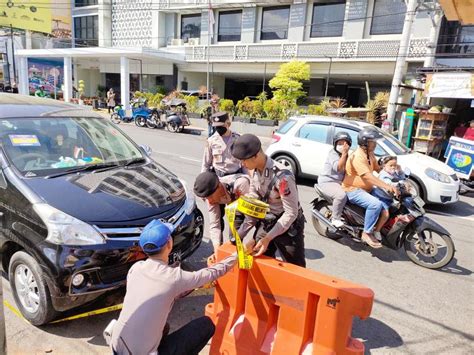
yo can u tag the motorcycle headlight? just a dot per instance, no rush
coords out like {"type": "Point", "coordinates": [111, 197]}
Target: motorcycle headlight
{"type": "Point", "coordinates": [66, 230]}
{"type": "Point", "coordinates": [438, 176]}
{"type": "Point", "coordinates": [190, 203]}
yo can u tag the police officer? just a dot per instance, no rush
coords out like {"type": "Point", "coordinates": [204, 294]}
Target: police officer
{"type": "Point", "coordinates": [217, 156]}
{"type": "Point", "coordinates": [218, 193]}
{"type": "Point", "coordinates": [271, 182]}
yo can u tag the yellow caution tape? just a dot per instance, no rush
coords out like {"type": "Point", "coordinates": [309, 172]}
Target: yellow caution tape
{"type": "Point", "coordinates": [251, 207]}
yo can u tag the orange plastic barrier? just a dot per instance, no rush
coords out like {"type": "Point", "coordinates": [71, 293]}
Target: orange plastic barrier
{"type": "Point", "coordinates": [280, 308]}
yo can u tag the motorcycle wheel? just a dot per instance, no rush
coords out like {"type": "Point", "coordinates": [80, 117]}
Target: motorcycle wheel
{"type": "Point", "coordinates": [428, 258]}
{"type": "Point", "coordinates": [172, 127]}
{"type": "Point", "coordinates": [115, 118]}
{"type": "Point", "coordinates": [324, 208]}
{"type": "Point", "coordinates": [151, 122]}
{"type": "Point", "coordinates": [140, 121]}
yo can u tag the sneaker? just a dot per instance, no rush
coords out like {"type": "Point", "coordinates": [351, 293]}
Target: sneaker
{"type": "Point", "coordinates": [378, 236]}
{"type": "Point", "coordinates": [337, 223]}
{"type": "Point", "coordinates": [371, 241]}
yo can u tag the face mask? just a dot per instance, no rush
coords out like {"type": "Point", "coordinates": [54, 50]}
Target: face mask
{"type": "Point", "coordinates": [339, 148]}
{"type": "Point", "coordinates": [221, 130]}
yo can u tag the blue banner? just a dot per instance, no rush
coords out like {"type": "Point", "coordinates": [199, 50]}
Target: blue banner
{"type": "Point", "coordinates": [461, 160]}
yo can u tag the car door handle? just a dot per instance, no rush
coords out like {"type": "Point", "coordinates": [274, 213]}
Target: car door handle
{"type": "Point", "coordinates": [296, 144]}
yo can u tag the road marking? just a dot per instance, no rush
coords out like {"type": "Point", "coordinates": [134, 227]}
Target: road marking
{"type": "Point", "coordinates": [190, 159]}
{"type": "Point", "coordinates": [470, 218]}
{"type": "Point", "coordinates": [14, 310]}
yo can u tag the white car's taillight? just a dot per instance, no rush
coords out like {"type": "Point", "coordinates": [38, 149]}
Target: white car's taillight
{"type": "Point", "coordinates": [275, 138]}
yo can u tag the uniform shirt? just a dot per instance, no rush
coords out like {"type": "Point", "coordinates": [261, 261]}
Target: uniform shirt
{"type": "Point", "coordinates": [356, 166]}
{"type": "Point", "coordinates": [241, 186]}
{"type": "Point", "coordinates": [152, 287]}
{"type": "Point", "coordinates": [330, 172]}
{"type": "Point", "coordinates": [283, 198]}
{"type": "Point", "coordinates": [217, 154]}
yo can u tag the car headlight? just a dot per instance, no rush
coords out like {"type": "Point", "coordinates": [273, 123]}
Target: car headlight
{"type": "Point", "coordinates": [190, 203]}
{"type": "Point", "coordinates": [438, 176]}
{"type": "Point", "coordinates": [66, 230]}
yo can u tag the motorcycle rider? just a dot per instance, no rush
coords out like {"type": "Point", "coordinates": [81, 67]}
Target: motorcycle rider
{"type": "Point", "coordinates": [217, 155]}
{"type": "Point", "coordinates": [271, 182]}
{"type": "Point", "coordinates": [218, 193]}
{"type": "Point", "coordinates": [333, 174]}
{"type": "Point", "coordinates": [359, 182]}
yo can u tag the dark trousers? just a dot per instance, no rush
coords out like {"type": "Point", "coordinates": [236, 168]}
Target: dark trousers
{"type": "Point", "coordinates": [188, 340]}
{"type": "Point", "coordinates": [210, 129]}
{"type": "Point", "coordinates": [291, 247]}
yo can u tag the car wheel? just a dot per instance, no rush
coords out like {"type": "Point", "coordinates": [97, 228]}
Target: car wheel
{"type": "Point", "coordinates": [288, 163]}
{"type": "Point", "coordinates": [29, 288]}
{"type": "Point", "coordinates": [416, 187]}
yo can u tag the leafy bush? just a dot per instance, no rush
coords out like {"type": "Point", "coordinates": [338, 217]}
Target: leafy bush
{"type": "Point", "coordinates": [245, 107]}
{"type": "Point", "coordinates": [317, 110]}
{"type": "Point", "coordinates": [227, 106]}
{"type": "Point", "coordinates": [192, 103]}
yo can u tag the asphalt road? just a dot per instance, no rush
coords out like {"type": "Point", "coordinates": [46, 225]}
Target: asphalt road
{"type": "Point", "coordinates": [416, 310]}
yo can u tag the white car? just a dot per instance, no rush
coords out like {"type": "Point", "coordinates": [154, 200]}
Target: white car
{"type": "Point", "coordinates": [303, 142]}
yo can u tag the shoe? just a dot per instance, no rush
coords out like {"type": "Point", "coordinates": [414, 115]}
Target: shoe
{"type": "Point", "coordinates": [378, 236]}
{"type": "Point", "coordinates": [371, 241]}
{"type": "Point", "coordinates": [337, 223]}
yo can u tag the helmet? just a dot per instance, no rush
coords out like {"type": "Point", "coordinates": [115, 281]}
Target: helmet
{"type": "Point", "coordinates": [341, 136]}
{"type": "Point", "coordinates": [154, 236]}
{"type": "Point", "coordinates": [367, 134]}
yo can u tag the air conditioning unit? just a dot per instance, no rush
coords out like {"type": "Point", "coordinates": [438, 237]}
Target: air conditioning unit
{"type": "Point", "coordinates": [177, 42]}
{"type": "Point", "coordinates": [193, 41]}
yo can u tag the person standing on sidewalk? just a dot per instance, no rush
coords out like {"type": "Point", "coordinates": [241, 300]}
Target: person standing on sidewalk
{"type": "Point", "coordinates": [218, 193]}
{"type": "Point", "coordinates": [110, 100]}
{"type": "Point", "coordinates": [217, 155]}
{"type": "Point", "coordinates": [152, 287]}
{"type": "Point", "coordinates": [333, 174]}
{"type": "Point", "coordinates": [272, 183]}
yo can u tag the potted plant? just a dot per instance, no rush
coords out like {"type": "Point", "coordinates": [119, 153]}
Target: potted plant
{"type": "Point", "coordinates": [274, 111]}
{"type": "Point", "coordinates": [227, 106]}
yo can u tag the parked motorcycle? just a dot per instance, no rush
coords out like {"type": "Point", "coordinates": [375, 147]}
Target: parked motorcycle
{"type": "Point", "coordinates": [425, 242]}
{"type": "Point", "coordinates": [141, 114]}
{"type": "Point", "coordinates": [176, 116]}
{"type": "Point", "coordinates": [155, 119]}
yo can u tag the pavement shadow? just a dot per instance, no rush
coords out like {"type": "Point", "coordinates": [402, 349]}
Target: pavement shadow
{"type": "Point", "coordinates": [455, 269]}
{"type": "Point", "coordinates": [458, 209]}
{"type": "Point", "coordinates": [384, 254]}
{"type": "Point", "coordinates": [313, 254]}
{"type": "Point", "coordinates": [306, 181]}
{"type": "Point", "coordinates": [375, 334]}
{"type": "Point", "coordinates": [193, 131]}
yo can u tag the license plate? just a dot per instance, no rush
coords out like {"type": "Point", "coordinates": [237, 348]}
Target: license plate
{"type": "Point", "coordinates": [419, 201]}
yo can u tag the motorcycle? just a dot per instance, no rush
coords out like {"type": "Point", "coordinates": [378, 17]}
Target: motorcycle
{"type": "Point", "coordinates": [176, 116]}
{"type": "Point", "coordinates": [425, 242]}
{"type": "Point", "coordinates": [141, 114]}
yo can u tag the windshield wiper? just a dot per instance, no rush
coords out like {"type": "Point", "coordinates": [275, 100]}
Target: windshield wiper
{"type": "Point", "coordinates": [90, 167]}
{"type": "Point", "coordinates": [134, 161]}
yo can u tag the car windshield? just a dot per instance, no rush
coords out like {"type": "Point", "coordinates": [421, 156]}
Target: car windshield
{"type": "Point", "coordinates": [393, 144]}
{"type": "Point", "coordinates": [44, 146]}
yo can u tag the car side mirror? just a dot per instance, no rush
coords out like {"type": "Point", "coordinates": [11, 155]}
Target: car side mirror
{"type": "Point", "coordinates": [146, 149]}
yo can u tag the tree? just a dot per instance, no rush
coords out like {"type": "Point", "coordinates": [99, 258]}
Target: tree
{"type": "Point", "coordinates": [287, 84]}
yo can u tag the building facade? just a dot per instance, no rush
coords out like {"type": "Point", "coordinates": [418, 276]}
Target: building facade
{"type": "Point", "coordinates": [142, 44]}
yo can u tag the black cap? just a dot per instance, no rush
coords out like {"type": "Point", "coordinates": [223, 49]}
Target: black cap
{"type": "Point", "coordinates": [246, 146]}
{"type": "Point", "coordinates": [206, 184]}
{"type": "Point", "coordinates": [219, 118]}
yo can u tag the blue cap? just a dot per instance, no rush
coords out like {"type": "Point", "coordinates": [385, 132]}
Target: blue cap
{"type": "Point", "coordinates": [154, 236]}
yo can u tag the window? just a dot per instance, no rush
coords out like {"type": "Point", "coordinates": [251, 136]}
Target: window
{"type": "Point", "coordinates": [230, 26]}
{"type": "Point", "coordinates": [275, 22]}
{"type": "Point", "coordinates": [379, 151]}
{"type": "Point", "coordinates": [81, 3]}
{"type": "Point", "coordinates": [456, 39]}
{"type": "Point", "coordinates": [388, 17]}
{"type": "Point", "coordinates": [86, 31]}
{"type": "Point", "coordinates": [286, 126]}
{"type": "Point", "coordinates": [314, 132]}
{"type": "Point", "coordinates": [190, 26]}
{"type": "Point", "coordinates": [328, 18]}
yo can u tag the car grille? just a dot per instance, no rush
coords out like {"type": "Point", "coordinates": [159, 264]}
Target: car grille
{"type": "Point", "coordinates": [454, 177]}
{"type": "Point", "coordinates": [115, 273]}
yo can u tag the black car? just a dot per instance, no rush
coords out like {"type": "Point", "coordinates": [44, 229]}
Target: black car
{"type": "Point", "coordinates": [75, 193]}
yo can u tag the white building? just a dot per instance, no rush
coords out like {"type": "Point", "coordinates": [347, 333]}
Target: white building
{"type": "Point", "coordinates": [350, 41]}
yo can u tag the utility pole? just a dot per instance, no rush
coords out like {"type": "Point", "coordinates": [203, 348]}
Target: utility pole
{"type": "Point", "coordinates": [13, 53]}
{"type": "Point", "coordinates": [328, 76]}
{"type": "Point", "coordinates": [264, 76]}
{"type": "Point", "coordinates": [208, 48]}
{"type": "Point", "coordinates": [434, 33]}
{"type": "Point", "coordinates": [401, 60]}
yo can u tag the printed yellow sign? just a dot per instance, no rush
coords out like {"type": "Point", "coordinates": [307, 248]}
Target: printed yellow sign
{"type": "Point", "coordinates": [33, 15]}
{"type": "Point", "coordinates": [24, 140]}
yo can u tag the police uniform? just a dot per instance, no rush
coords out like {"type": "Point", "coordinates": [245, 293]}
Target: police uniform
{"type": "Point", "coordinates": [276, 185]}
{"type": "Point", "coordinates": [217, 155]}
{"type": "Point", "coordinates": [236, 185]}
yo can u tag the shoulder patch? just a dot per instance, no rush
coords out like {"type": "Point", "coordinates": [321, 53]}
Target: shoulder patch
{"type": "Point", "coordinates": [284, 188]}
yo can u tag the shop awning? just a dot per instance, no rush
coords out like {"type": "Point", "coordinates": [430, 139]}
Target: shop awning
{"type": "Point", "coordinates": [459, 10]}
{"type": "Point", "coordinates": [450, 85]}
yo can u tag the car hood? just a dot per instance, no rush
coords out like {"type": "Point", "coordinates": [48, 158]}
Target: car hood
{"type": "Point", "coordinates": [118, 195]}
{"type": "Point", "coordinates": [417, 162]}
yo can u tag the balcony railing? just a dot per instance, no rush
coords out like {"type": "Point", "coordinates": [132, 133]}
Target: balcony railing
{"type": "Point", "coordinates": [360, 50]}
